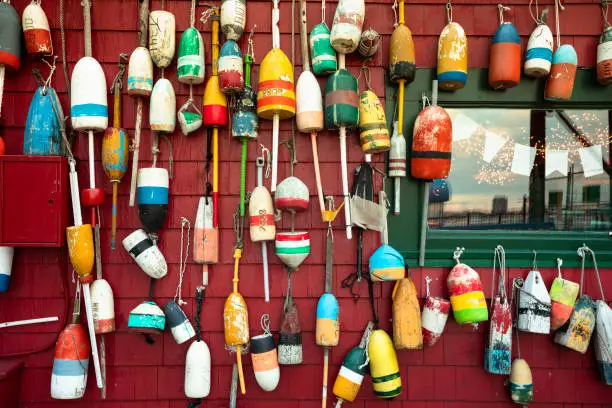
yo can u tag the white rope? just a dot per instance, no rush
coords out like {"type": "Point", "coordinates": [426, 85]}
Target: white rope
{"type": "Point", "coordinates": [192, 13]}
{"type": "Point", "coordinates": [251, 44]}
{"type": "Point", "coordinates": [265, 324]}
{"type": "Point", "coordinates": [501, 9]}
{"type": "Point", "coordinates": [427, 282]}
{"type": "Point", "coordinates": [558, 6]}
{"type": "Point", "coordinates": [604, 13]}
{"type": "Point", "coordinates": [265, 153]}
{"type": "Point", "coordinates": [182, 262]}
{"type": "Point", "coordinates": [457, 254]}
{"type": "Point", "coordinates": [585, 250]}
{"type": "Point", "coordinates": [537, 12]}
{"type": "Point", "coordinates": [559, 263]}
{"type": "Point", "coordinates": [394, 8]}
{"type": "Point", "coordinates": [323, 11]}
{"type": "Point", "coordinates": [449, 12]}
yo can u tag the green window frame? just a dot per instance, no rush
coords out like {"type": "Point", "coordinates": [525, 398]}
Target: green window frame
{"type": "Point", "coordinates": [405, 228]}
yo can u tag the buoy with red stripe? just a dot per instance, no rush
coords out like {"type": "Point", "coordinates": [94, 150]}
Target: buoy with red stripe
{"type": "Point", "coordinates": [292, 248]}
{"type": "Point", "coordinates": [6, 265]}
{"type": "Point", "coordinates": [466, 295]}
{"type": "Point", "coordinates": [197, 362]}
{"type": "Point", "coordinates": [374, 135]}
{"type": "Point", "coordinates": [231, 79]}
{"type": "Point", "coordinates": [452, 54]}
{"type": "Point", "coordinates": [36, 30]}
{"type": "Point", "coordinates": [103, 305]}
{"type": "Point", "coordinates": [539, 49]}
{"type": "Point", "coordinates": [384, 367]}
{"type": "Point", "coordinates": [347, 26]}
{"type": "Point", "coordinates": [233, 18]}
{"type": "Point", "coordinates": [264, 357]}
{"type": "Point", "coordinates": [505, 59]}
{"type": "Point", "coordinates": [434, 317]}
{"type": "Point", "coordinates": [432, 140]}
{"type": "Point", "coordinates": [162, 37]}
{"type": "Point", "coordinates": [604, 56]}
{"type": "Point", "coordinates": [291, 195]}
{"type": "Point", "coordinates": [349, 379]}
{"type": "Point", "coordinates": [563, 294]}
{"type": "Point", "coordinates": [560, 82]}
{"type": "Point", "coordinates": [10, 39]}
{"type": "Point", "coordinates": [146, 254]}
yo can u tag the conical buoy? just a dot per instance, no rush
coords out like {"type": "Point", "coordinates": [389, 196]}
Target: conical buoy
{"type": "Point", "coordinates": [387, 264]}
{"type": "Point", "coordinates": [36, 30]}
{"type": "Point", "coordinates": [452, 57]}
{"type": "Point", "coordinates": [42, 135]}
{"type": "Point", "coordinates": [384, 366]}
{"type": "Point", "coordinates": [190, 64]}
{"type": "Point", "coordinates": [6, 264]}
{"type": "Point", "coordinates": [162, 37]}
{"type": "Point", "coordinates": [70, 364]}
{"type": "Point", "coordinates": [231, 78]}
{"type": "Point", "coordinates": [292, 247]}
{"type": "Point", "coordinates": [146, 254]}
{"type": "Point", "coordinates": [177, 321]}
{"type": "Point", "coordinates": [215, 104]}
{"type": "Point", "coordinates": [432, 140]}
{"type": "Point", "coordinates": [103, 305]}
{"type": "Point", "coordinates": [197, 370]}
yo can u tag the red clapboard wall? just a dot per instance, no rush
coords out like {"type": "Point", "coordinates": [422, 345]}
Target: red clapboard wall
{"type": "Point", "coordinates": [141, 375]}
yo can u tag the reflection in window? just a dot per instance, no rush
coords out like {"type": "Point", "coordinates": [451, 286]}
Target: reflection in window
{"type": "Point", "coordinates": [525, 170]}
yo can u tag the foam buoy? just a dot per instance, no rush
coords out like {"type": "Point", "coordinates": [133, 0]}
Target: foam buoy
{"type": "Point", "coordinates": [563, 294]}
{"type": "Point", "coordinates": [103, 305]}
{"type": "Point", "coordinates": [230, 68]}
{"type": "Point", "coordinates": [6, 264]}
{"type": "Point", "coordinates": [384, 366]}
{"type": "Point", "coordinates": [505, 59]}
{"type": "Point", "coordinates": [197, 370]}
{"type": "Point", "coordinates": [604, 57]}
{"type": "Point", "coordinates": [387, 264]}
{"type": "Point", "coordinates": [432, 140]}
{"type": "Point", "coordinates": [347, 26]}
{"type": "Point", "coordinates": [146, 254]}
{"type": "Point", "coordinates": [349, 379]}
{"type": "Point", "coordinates": [205, 236]}
{"type": "Point", "coordinates": [521, 383]}
{"type": "Point", "coordinates": [452, 57]}
{"type": "Point", "coordinates": [603, 341]}
{"type": "Point", "coordinates": [233, 18]}
{"type": "Point", "coordinates": [36, 30]}
{"type": "Point", "coordinates": [341, 100]}
{"type": "Point", "coordinates": [10, 38]}
{"type": "Point", "coordinates": [407, 333]}
{"type": "Point", "coordinates": [42, 129]}
{"type": "Point", "coordinates": [215, 104]}
{"type": "Point", "coordinates": [402, 63]}
{"type": "Point", "coordinates": [190, 64]}
{"type": "Point", "coordinates": [327, 332]}
{"type": "Point", "coordinates": [291, 195]}
{"type": "Point", "coordinates": [292, 247]}
{"type": "Point", "coordinates": [323, 54]}
{"type": "Point", "coordinates": [534, 305]}
{"type": "Point", "coordinates": [89, 106]}
{"type": "Point", "coordinates": [153, 186]}
{"type": "Point", "coordinates": [466, 295]}
{"type": "Point", "coordinates": [236, 324]}
{"type": "Point", "coordinates": [140, 73]}
{"type": "Point", "coordinates": [264, 358]}
{"type": "Point", "coordinates": [397, 163]}
{"type": "Point", "coordinates": [560, 82]}
{"type": "Point", "coordinates": [539, 50]}
{"type": "Point", "coordinates": [433, 319]}
{"type": "Point", "coordinates": [177, 321]}
{"type": "Point", "coordinates": [162, 37]}
{"type": "Point", "coordinates": [70, 363]}
{"type": "Point", "coordinates": [163, 106]}
{"type": "Point", "coordinates": [374, 135]}
{"type": "Point", "coordinates": [309, 116]}
{"type": "Point", "coordinates": [576, 333]}
{"type": "Point", "coordinates": [147, 318]}
{"type": "Point", "coordinates": [290, 334]}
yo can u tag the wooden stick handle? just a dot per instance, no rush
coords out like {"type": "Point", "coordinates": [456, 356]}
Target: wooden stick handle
{"type": "Point", "coordinates": [325, 370]}
{"type": "Point", "coordinates": [92, 335]}
{"type": "Point", "coordinates": [345, 189]}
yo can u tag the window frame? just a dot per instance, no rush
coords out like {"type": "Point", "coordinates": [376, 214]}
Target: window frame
{"type": "Point", "coordinates": [405, 228]}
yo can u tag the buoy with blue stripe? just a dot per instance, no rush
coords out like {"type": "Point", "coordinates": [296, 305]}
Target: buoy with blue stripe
{"type": "Point", "coordinates": [190, 64]}
{"type": "Point", "coordinates": [231, 78]}
{"type": "Point", "coordinates": [162, 37]}
{"type": "Point", "coordinates": [36, 31]}
{"type": "Point", "coordinates": [384, 367]}
{"type": "Point", "coordinates": [140, 73]}
{"type": "Point", "coordinates": [6, 265]}
{"type": "Point", "coordinates": [233, 18]}
{"type": "Point", "coordinates": [153, 186]}
{"type": "Point", "coordinates": [452, 56]}
{"type": "Point", "coordinates": [560, 82]}
{"type": "Point", "coordinates": [539, 50]}
{"type": "Point", "coordinates": [177, 321]}
{"type": "Point", "coordinates": [349, 379]}
{"type": "Point", "coordinates": [505, 59]}
{"type": "Point", "coordinates": [466, 295]}
{"type": "Point", "coordinates": [42, 129]}
{"type": "Point", "coordinates": [265, 357]}
{"type": "Point", "coordinates": [604, 56]}
{"type": "Point", "coordinates": [146, 254]}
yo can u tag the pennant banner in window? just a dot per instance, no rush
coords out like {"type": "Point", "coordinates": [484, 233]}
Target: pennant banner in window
{"type": "Point", "coordinates": [592, 160]}
{"type": "Point", "coordinates": [522, 162]}
{"type": "Point", "coordinates": [463, 127]}
{"type": "Point", "coordinates": [493, 144]}
{"type": "Point", "coordinates": [556, 161]}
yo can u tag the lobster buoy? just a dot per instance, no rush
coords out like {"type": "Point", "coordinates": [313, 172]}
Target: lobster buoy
{"type": "Point", "coordinates": [103, 305]}
{"type": "Point", "coordinates": [292, 247]}
{"type": "Point", "coordinates": [231, 78]}
{"type": "Point", "coordinates": [603, 341]}
{"type": "Point", "coordinates": [245, 122]}
{"type": "Point", "coordinates": [146, 254]}
{"type": "Point", "coordinates": [604, 57]}
{"type": "Point", "coordinates": [291, 195]}
{"type": "Point", "coordinates": [89, 105]}
{"type": "Point", "coordinates": [407, 333]}
{"type": "Point", "coordinates": [521, 383]}
{"type": "Point", "coordinates": [466, 295]}
{"type": "Point", "coordinates": [432, 140]}
{"type": "Point", "coordinates": [368, 43]}
{"type": "Point", "coordinates": [214, 113]}
{"type": "Point", "coordinates": [265, 361]}
{"type": "Point", "coordinates": [163, 106]}
{"type": "Point", "coordinates": [205, 237]}
{"type": "Point", "coordinates": [10, 37]}
{"type": "Point", "coordinates": [384, 366]}
{"type": "Point", "coordinates": [162, 37]}
{"type": "Point", "coordinates": [433, 319]}
{"type": "Point", "coordinates": [190, 64]}
{"type": "Point", "coordinates": [397, 158]}
{"type": "Point", "coordinates": [276, 89]}
{"type": "Point", "coordinates": [505, 61]}
{"type": "Point", "coordinates": [347, 26]}
{"type": "Point", "coordinates": [81, 250]}
{"type": "Point", "coordinates": [402, 65]}
{"type": "Point", "coordinates": [341, 100]}
{"type": "Point", "coordinates": [197, 370]}
{"type": "Point", "coordinates": [140, 73]}
{"type": "Point", "coordinates": [374, 135]}
{"type": "Point", "coordinates": [309, 105]}
{"type": "Point", "coordinates": [452, 57]}
{"type": "Point", "coordinates": [70, 363]}
{"type": "Point", "coordinates": [177, 321]}
{"type": "Point", "coordinates": [323, 54]}
{"type": "Point", "coordinates": [560, 83]}
{"type": "Point", "coordinates": [539, 52]}
{"type": "Point", "coordinates": [563, 294]}
{"type": "Point", "coordinates": [349, 379]}
{"type": "Point", "coordinates": [576, 333]}
{"type": "Point", "coordinates": [261, 215]}
{"type": "Point", "coordinates": [387, 264]}
{"type": "Point", "coordinates": [153, 186]}
{"type": "Point", "coordinates": [6, 265]}
{"type": "Point", "coordinates": [233, 18]}
{"type": "Point", "coordinates": [534, 305]}
{"type": "Point", "coordinates": [327, 326]}
{"type": "Point", "coordinates": [36, 30]}
{"type": "Point", "coordinates": [147, 318]}
{"type": "Point", "coordinates": [189, 121]}
{"type": "Point", "coordinates": [42, 130]}
{"type": "Point", "coordinates": [235, 320]}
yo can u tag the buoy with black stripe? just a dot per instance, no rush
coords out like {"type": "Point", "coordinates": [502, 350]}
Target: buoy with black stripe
{"type": "Point", "coordinates": [452, 55]}
{"type": "Point", "coordinates": [233, 18]}
{"type": "Point", "coordinates": [177, 321]}
{"type": "Point", "coordinates": [505, 59]}
{"type": "Point", "coordinates": [466, 295]}
{"type": "Point", "coordinates": [534, 305]}
{"type": "Point", "coordinates": [153, 186]}
{"type": "Point", "coordinates": [162, 37]}
{"type": "Point", "coordinates": [6, 265]}
{"type": "Point", "coordinates": [264, 357]}
{"type": "Point", "coordinates": [374, 135]}
{"type": "Point", "coordinates": [349, 379]}
{"type": "Point", "coordinates": [539, 49]}
{"type": "Point", "coordinates": [197, 361]}
{"type": "Point", "coordinates": [604, 56]}
{"type": "Point", "coordinates": [42, 135]}
{"type": "Point", "coordinates": [146, 254]}
{"type": "Point", "coordinates": [384, 367]}
{"type": "Point", "coordinates": [231, 79]}
{"type": "Point", "coordinates": [432, 139]}
{"type": "Point", "coordinates": [36, 31]}
{"type": "Point", "coordinates": [347, 26]}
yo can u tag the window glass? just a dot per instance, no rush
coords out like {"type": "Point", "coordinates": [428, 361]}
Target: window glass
{"type": "Point", "coordinates": [524, 169]}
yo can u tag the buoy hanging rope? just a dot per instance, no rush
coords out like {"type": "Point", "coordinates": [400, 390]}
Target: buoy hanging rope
{"type": "Point", "coordinates": [501, 9]}
{"type": "Point", "coordinates": [183, 256]}
{"type": "Point", "coordinates": [449, 12]}
{"type": "Point", "coordinates": [604, 13]}
{"type": "Point", "coordinates": [582, 252]}
{"type": "Point", "coordinates": [517, 285]}
{"type": "Point", "coordinates": [558, 6]}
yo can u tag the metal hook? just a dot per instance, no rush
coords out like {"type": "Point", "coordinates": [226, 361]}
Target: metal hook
{"type": "Point", "coordinates": [457, 254]}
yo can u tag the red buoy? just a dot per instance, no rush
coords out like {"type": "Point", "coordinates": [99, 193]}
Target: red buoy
{"type": "Point", "coordinates": [432, 144]}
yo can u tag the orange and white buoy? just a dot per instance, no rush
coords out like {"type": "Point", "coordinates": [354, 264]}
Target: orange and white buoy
{"type": "Point", "coordinates": [265, 357]}
{"type": "Point", "coordinates": [36, 31]}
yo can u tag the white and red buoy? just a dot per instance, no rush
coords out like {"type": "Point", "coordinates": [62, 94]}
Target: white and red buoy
{"type": "Point", "coordinates": [433, 317]}
{"type": "Point", "coordinates": [36, 31]}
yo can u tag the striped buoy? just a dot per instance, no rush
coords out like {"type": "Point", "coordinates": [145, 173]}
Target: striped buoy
{"type": "Point", "coordinates": [189, 120]}
{"type": "Point", "coordinates": [563, 294]}
{"type": "Point", "coordinates": [368, 43]}
{"type": "Point", "coordinates": [162, 37]}
{"type": "Point", "coordinates": [6, 265]}
{"type": "Point", "coordinates": [140, 73]}
{"type": "Point", "coordinates": [276, 90]}
{"type": "Point", "coordinates": [432, 140]}
{"type": "Point", "coordinates": [498, 349]}
{"type": "Point", "coordinates": [347, 26]}
{"type": "Point", "coordinates": [103, 306]}
{"type": "Point", "coordinates": [604, 57]}
{"type": "Point", "coordinates": [521, 383]}
{"type": "Point", "coordinates": [162, 107]}
{"type": "Point", "coordinates": [36, 31]}
{"type": "Point", "coordinates": [153, 186]}
{"type": "Point", "coordinates": [190, 63]}
{"type": "Point", "coordinates": [560, 82]}
{"type": "Point", "coordinates": [214, 113]}
{"type": "Point", "coordinates": [231, 78]}
{"type": "Point", "coordinates": [349, 379]}
{"type": "Point", "coordinates": [292, 247]}
{"type": "Point", "coordinates": [205, 237]}
{"type": "Point", "coordinates": [384, 366]}
{"type": "Point", "coordinates": [327, 327]}
{"type": "Point", "coordinates": [387, 264]}
{"type": "Point", "coordinates": [309, 105]}
{"type": "Point", "coordinates": [291, 195]}
{"type": "Point", "coordinates": [374, 135]}
{"type": "Point", "coordinates": [466, 295]}
{"type": "Point", "coordinates": [146, 254]}
{"type": "Point", "coordinates": [323, 54]}
{"type": "Point", "coordinates": [534, 305]}
{"type": "Point", "coordinates": [197, 370]}
{"type": "Point", "coordinates": [177, 321]}
{"type": "Point", "coordinates": [261, 215]}
{"type": "Point", "coordinates": [147, 318]}
{"type": "Point", "coordinates": [245, 122]}
{"type": "Point", "coordinates": [407, 333]}
{"type": "Point", "coordinates": [433, 319]}
{"type": "Point", "coordinates": [233, 18]}
{"type": "Point", "coordinates": [42, 135]}
{"type": "Point", "coordinates": [341, 100]}
{"type": "Point", "coordinates": [452, 57]}
{"type": "Point", "coordinates": [539, 52]}
{"type": "Point", "coordinates": [265, 358]}
{"type": "Point", "coordinates": [10, 37]}
{"type": "Point", "coordinates": [576, 333]}
{"type": "Point", "coordinates": [70, 363]}
{"type": "Point", "coordinates": [89, 105]}
{"type": "Point", "coordinates": [505, 60]}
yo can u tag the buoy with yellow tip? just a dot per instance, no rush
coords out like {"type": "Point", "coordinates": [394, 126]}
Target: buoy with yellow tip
{"type": "Point", "coordinates": [466, 295]}
{"type": "Point", "coordinates": [162, 37]}
{"type": "Point", "coordinates": [521, 382]}
{"type": "Point", "coordinates": [407, 333]}
{"type": "Point", "coordinates": [452, 54]}
{"type": "Point", "coordinates": [384, 367]}
{"type": "Point", "coordinates": [36, 31]}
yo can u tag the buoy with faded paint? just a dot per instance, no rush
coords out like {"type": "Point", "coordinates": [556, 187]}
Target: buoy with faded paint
{"type": "Point", "coordinates": [505, 59]}
{"type": "Point", "coordinates": [327, 332]}
{"type": "Point", "coordinates": [70, 363]}
{"type": "Point", "coordinates": [153, 184]}
{"type": "Point", "coordinates": [103, 306]}
{"type": "Point", "coordinates": [146, 254]}
{"type": "Point", "coordinates": [521, 383]}
{"type": "Point", "coordinates": [341, 100]}
{"type": "Point", "coordinates": [368, 43]}
{"type": "Point", "coordinates": [563, 294]}
{"type": "Point", "coordinates": [236, 322]}
{"type": "Point", "coordinates": [534, 305]}
{"type": "Point", "coordinates": [261, 213]}
{"type": "Point", "coordinates": [374, 135]}
{"type": "Point", "coordinates": [386, 263]}
{"type": "Point", "coordinates": [245, 122]}
{"type": "Point", "coordinates": [10, 37]}
{"type": "Point", "coordinates": [291, 195]}
{"type": "Point", "coordinates": [397, 163]}
{"type": "Point", "coordinates": [560, 82]}
{"type": "Point", "coordinates": [604, 57]}
{"type": "Point", "coordinates": [233, 18]}
{"type": "Point", "coordinates": [197, 370]}
{"type": "Point", "coordinates": [433, 319]}
{"type": "Point", "coordinates": [576, 333]}
{"type": "Point", "coordinates": [6, 265]}
{"type": "Point", "coordinates": [265, 358]}
{"type": "Point", "coordinates": [349, 379]}
{"type": "Point", "coordinates": [402, 63]}
{"type": "Point", "coordinates": [205, 236]}
{"type": "Point", "coordinates": [384, 366]}
{"type": "Point", "coordinates": [292, 247]}
{"type": "Point", "coordinates": [603, 341]}
{"type": "Point", "coordinates": [215, 104]}
{"type": "Point", "coordinates": [189, 117]}
{"type": "Point", "coordinates": [42, 135]}
{"type": "Point", "coordinates": [162, 37]}
{"type": "Point", "coordinates": [89, 105]}
{"type": "Point", "coordinates": [324, 60]}
{"type": "Point", "coordinates": [407, 333]}
{"type": "Point", "coordinates": [231, 78]}
{"type": "Point", "coordinates": [432, 144]}
{"type": "Point", "coordinates": [309, 106]}
{"type": "Point", "coordinates": [190, 63]}
{"type": "Point", "coordinates": [466, 295]}
{"type": "Point", "coordinates": [347, 26]}
{"type": "Point", "coordinates": [36, 31]}
{"type": "Point", "coordinates": [140, 73]}
{"type": "Point", "coordinates": [162, 107]}
{"type": "Point", "coordinates": [147, 318]}
{"type": "Point", "coordinates": [452, 57]}
{"type": "Point", "coordinates": [539, 53]}
{"type": "Point", "coordinates": [177, 321]}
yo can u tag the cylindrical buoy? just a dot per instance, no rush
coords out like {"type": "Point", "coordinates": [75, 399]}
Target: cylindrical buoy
{"type": "Point", "coordinates": [432, 140]}
{"type": "Point", "coordinates": [197, 370]}
{"type": "Point", "coordinates": [521, 383]}
{"type": "Point", "coordinates": [162, 116]}
{"type": "Point", "coordinates": [341, 100]}
{"type": "Point", "coordinates": [603, 341]}
{"type": "Point", "coordinates": [433, 319]}
{"type": "Point", "coordinates": [177, 321]}
{"type": "Point", "coordinates": [190, 64]}
{"type": "Point", "coordinates": [162, 37]}
{"type": "Point", "coordinates": [327, 327]}
{"type": "Point", "coordinates": [6, 264]}
{"type": "Point", "coordinates": [505, 60]}
{"type": "Point", "coordinates": [205, 237]}
{"type": "Point", "coordinates": [265, 361]}
{"type": "Point", "coordinates": [261, 215]}
{"type": "Point", "coordinates": [231, 78]}
{"type": "Point", "coordinates": [233, 18]}
{"type": "Point", "coordinates": [42, 135]}
{"type": "Point", "coordinates": [10, 38]}
{"type": "Point", "coordinates": [560, 82]}
{"type": "Point", "coordinates": [153, 186]}
{"type": "Point", "coordinates": [563, 295]}
{"type": "Point", "coordinates": [36, 30]}
{"type": "Point", "coordinates": [402, 65]}
{"type": "Point", "coordinates": [103, 305]}
{"type": "Point", "coordinates": [539, 52]}
{"type": "Point", "coordinates": [276, 89]}
{"type": "Point", "coordinates": [214, 113]}
{"type": "Point", "coordinates": [147, 318]}
{"type": "Point", "coordinates": [89, 105]}
{"type": "Point", "coordinates": [146, 254]}
{"type": "Point", "coordinates": [374, 136]}
{"type": "Point", "coordinates": [407, 333]}
{"type": "Point", "coordinates": [292, 247]}
{"type": "Point", "coordinates": [81, 250]}
{"type": "Point", "coordinates": [70, 363]}
{"type": "Point", "coordinates": [387, 264]}
{"type": "Point", "coordinates": [604, 57]}
{"type": "Point", "coordinates": [291, 195]}
{"type": "Point", "coordinates": [140, 73]}
{"type": "Point", "coordinates": [466, 295]}
{"type": "Point", "coordinates": [235, 320]}
{"type": "Point", "coordinates": [323, 54]}
{"type": "Point", "coordinates": [309, 104]}
{"type": "Point", "coordinates": [347, 26]}
{"type": "Point", "coordinates": [452, 57]}
{"type": "Point", "coordinates": [384, 366]}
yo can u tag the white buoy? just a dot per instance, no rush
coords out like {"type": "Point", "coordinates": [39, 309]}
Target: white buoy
{"type": "Point", "coordinates": [265, 361]}
{"type": "Point", "coordinates": [36, 31]}
{"type": "Point", "coordinates": [146, 254]}
{"type": "Point", "coordinates": [233, 18]}
{"type": "Point", "coordinates": [140, 73]}
{"type": "Point", "coordinates": [89, 106]}
{"type": "Point", "coordinates": [197, 370]}
{"type": "Point", "coordinates": [162, 37]}
{"type": "Point", "coordinates": [347, 26]}
{"type": "Point", "coordinates": [177, 321]}
{"type": "Point", "coordinates": [538, 58]}
{"type": "Point", "coordinates": [534, 305]}
{"type": "Point", "coordinates": [103, 305]}
{"type": "Point", "coordinates": [162, 116]}
{"type": "Point", "coordinates": [6, 264]}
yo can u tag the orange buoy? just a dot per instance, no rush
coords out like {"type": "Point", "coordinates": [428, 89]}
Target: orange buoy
{"type": "Point", "coordinates": [432, 140]}
{"type": "Point", "coordinates": [505, 60]}
{"type": "Point", "coordinates": [560, 82]}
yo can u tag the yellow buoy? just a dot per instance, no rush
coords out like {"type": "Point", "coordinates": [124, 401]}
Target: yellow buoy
{"type": "Point", "coordinates": [407, 333]}
{"type": "Point", "coordinates": [276, 89]}
{"type": "Point", "coordinates": [81, 250]}
{"type": "Point", "coordinates": [452, 57]}
{"type": "Point", "coordinates": [374, 135]}
{"type": "Point", "coordinates": [384, 367]}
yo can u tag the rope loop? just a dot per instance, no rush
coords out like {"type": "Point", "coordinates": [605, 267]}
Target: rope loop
{"type": "Point", "coordinates": [182, 261]}
{"type": "Point", "coordinates": [559, 263]}
{"type": "Point", "coordinates": [457, 254]}
{"type": "Point", "coordinates": [604, 13]}
{"type": "Point", "coordinates": [251, 46]}
{"type": "Point", "coordinates": [449, 12]}
{"type": "Point", "coordinates": [394, 8]}
{"type": "Point", "coordinates": [208, 13]}
{"type": "Point", "coordinates": [265, 323]}
{"type": "Point", "coordinates": [118, 80]}
{"type": "Point", "coordinates": [427, 283]}
{"type": "Point", "coordinates": [501, 8]}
